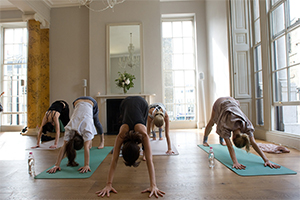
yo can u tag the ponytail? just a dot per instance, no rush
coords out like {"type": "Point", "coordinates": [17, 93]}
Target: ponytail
{"type": "Point", "coordinates": [76, 143]}
{"type": "Point", "coordinates": [242, 140]}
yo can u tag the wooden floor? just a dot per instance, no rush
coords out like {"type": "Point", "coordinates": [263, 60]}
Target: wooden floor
{"type": "Point", "coordinates": [185, 176]}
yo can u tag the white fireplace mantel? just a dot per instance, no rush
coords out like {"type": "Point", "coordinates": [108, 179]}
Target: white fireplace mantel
{"type": "Point", "coordinates": [101, 100]}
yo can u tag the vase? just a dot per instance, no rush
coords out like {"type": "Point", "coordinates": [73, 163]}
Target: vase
{"type": "Point", "coordinates": [124, 90]}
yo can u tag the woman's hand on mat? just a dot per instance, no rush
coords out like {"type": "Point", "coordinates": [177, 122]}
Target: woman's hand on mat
{"type": "Point", "coordinates": [37, 146]}
{"type": "Point", "coordinates": [53, 146]}
{"type": "Point", "coordinates": [84, 169]}
{"type": "Point", "coordinates": [53, 169]}
{"type": "Point", "coordinates": [170, 152]}
{"type": "Point", "coordinates": [238, 166]}
{"type": "Point", "coordinates": [154, 191]}
{"type": "Point", "coordinates": [106, 190]}
{"type": "Point", "coordinates": [271, 165]}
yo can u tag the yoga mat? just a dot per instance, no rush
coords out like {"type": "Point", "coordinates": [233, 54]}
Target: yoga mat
{"type": "Point", "coordinates": [254, 164]}
{"type": "Point", "coordinates": [46, 145]}
{"type": "Point", "coordinates": [159, 147]}
{"type": "Point", "coordinates": [96, 157]}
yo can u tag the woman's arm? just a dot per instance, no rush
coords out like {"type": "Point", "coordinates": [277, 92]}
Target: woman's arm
{"type": "Point", "coordinates": [148, 154]}
{"type": "Point", "coordinates": [44, 121]}
{"type": "Point", "coordinates": [57, 129]}
{"type": "Point", "coordinates": [86, 166]}
{"type": "Point", "coordinates": [261, 153]}
{"type": "Point", "coordinates": [59, 158]}
{"type": "Point", "coordinates": [149, 121]}
{"type": "Point", "coordinates": [236, 164]}
{"type": "Point", "coordinates": [113, 165]}
{"type": "Point", "coordinates": [167, 128]}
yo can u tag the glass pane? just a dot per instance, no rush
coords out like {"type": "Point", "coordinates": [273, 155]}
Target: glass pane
{"type": "Point", "coordinates": [179, 95]}
{"type": "Point", "coordinates": [259, 112]}
{"type": "Point", "coordinates": [189, 61]}
{"type": "Point", "coordinates": [257, 31]}
{"type": "Point", "coordinates": [278, 20]}
{"type": "Point", "coordinates": [295, 83]}
{"type": "Point", "coordinates": [190, 95]}
{"type": "Point", "coordinates": [257, 59]}
{"type": "Point", "coordinates": [169, 96]}
{"type": "Point", "coordinates": [167, 53]}
{"type": "Point", "coordinates": [180, 112]}
{"type": "Point", "coordinates": [14, 119]}
{"type": "Point", "coordinates": [280, 86]}
{"type": "Point", "coordinates": [189, 78]}
{"type": "Point", "coordinates": [293, 41]}
{"type": "Point", "coordinates": [255, 9]}
{"type": "Point", "coordinates": [177, 61]}
{"type": "Point", "coordinates": [279, 51]}
{"type": "Point", "coordinates": [168, 79]}
{"type": "Point", "coordinates": [258, 85]}
{"type": "Point", "coordinates": [294, 14]}
{"type": "Point", "coordinates": [188, 46]}
{"type": "Point", "coordinates": [287, 119]}
{"type": "Point", "coordinates": [177, 44]}
{"type": "Point", "coordinates": [178, 78]}
{"type": "Point", "coordinates": [170, 110]}
{"type": "Point", "coordinates": [177, 29]}
{"type": "Point", "coordinates": [187, 29]}
{"type": "Point", "coordinates": [167, 29]}
{"type": "Point", "coordinates": [190, 112]}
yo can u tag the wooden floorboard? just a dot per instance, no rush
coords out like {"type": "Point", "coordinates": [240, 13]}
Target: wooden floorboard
{"type": "Point", "coordinates": [185, 176]}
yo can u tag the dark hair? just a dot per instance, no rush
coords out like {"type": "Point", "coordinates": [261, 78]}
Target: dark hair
{"type": "Point", "coordinates": [131, 149]}
{"type": "Point", "coordinates": [47, 127]}
{"type": "Point", "coordinates": [76, 143]}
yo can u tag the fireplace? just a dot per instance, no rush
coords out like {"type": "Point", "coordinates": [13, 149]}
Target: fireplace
{"type": "Point", "coordinates": [114, 120]}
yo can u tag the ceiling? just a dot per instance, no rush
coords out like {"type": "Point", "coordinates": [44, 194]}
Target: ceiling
{"type": "Point", "coordinates": [16, 4]}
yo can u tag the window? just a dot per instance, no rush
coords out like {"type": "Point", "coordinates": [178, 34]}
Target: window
{"type": "Point", "coordinates": [14, 75]}
{"type": "Point", "coordinates": [285, 55]}
{"type": "Point", "coordinates": [258, 72]}
{"type": "Point", "coordinates": [179, 69]}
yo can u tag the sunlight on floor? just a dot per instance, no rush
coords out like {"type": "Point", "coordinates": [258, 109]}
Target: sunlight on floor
{"type": "Point", "coordinates": [8, 148]}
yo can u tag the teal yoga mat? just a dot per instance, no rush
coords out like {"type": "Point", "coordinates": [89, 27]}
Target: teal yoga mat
{"type": "Point", "coordinates": [96, 157]}
{"type": "Point", "coordinates": [254, 164]}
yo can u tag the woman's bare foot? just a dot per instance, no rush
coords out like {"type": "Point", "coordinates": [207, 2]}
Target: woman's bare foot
{"type": "Point", "coordinates": [161, 138]}
{"type": "Point", "coordinates": [101, 146]}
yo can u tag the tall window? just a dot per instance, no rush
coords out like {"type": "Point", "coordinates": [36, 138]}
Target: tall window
{"type": "Point", "coordinates": [14, 75]}
{"type": "Point", "coordinates": [285, 54]}
{"type": "Point", "coordinates": [258, 72]}
{"type": "Point", "coordinates": [179, 69]}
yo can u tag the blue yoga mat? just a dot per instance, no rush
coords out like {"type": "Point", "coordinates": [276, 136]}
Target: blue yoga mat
{"type": "Point", "coordinates": [254, 164]}
{"type": "Point", "coordinates": [96, 157]}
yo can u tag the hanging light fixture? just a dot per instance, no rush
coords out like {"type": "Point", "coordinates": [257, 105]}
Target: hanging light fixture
{"type": "Point", "coordinates": [106, 4]}
{"type": "Point", "coordinates": [131, 60]}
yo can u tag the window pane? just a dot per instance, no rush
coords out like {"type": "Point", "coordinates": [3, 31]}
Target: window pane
{"type": "Point", "coordinates": [257, 58]}
{"type": "Point", "coordinates": [189, 61]}
{"type": "Point", "coordinates": [14, 119]}
{"type": "Point", "coordinates": [177, 29]}
{"type": "Point", "coordinates": [169, 96]}
{"type": "Point", "coordinates": [190, 112]}
{"type": "Point", "coordinates": [180, 112]}
{"type": "Point", "coordinates": [167, 53]}
{"type": "Point", "coordinates": [189, 79]}
{"type": "Point", "coordinates": [259, 112]}
{"type": "Point", "coordinates": [294, 47]}
{"type": "Point", "coordinates": [167, 29]}
{"type": "Point", "coordinates": [170, 110]}
{"type": "Point", "coordinates": [255, 9]}
{"type": "Point", "coordinates": [177, 44]}
{"type": "Point", "coordinates": [178, 61]}
{"type": "Point", "coordinates": [190, 95]}
{"type": "Point", "coordinates": [178, 78]}
{"type": "Point", "coordinates": [179, 95]}
{"type": "Point", "coordinates": [280, 86]}
{"type": "Point", "coordinates": [279, 51]}
{"type": "Point", "coordinates": [258, 85]}
{"type": "Point", "coordinates": [187, 28]}
{"type": "Point", "coordinates": [294, 6]}
{"type": "Point", "coordinates": [278, 20]}
{"type": "Point", "coordinates": [295, 83]}
{"type": "Point", "coordinates": [168, 79]}
{"type": "Point", "coordinates": [188, 46]}
{"type": "Point", "coordinates": [257, 31]}
{"type": "Point", "coordinates": [287, 119]}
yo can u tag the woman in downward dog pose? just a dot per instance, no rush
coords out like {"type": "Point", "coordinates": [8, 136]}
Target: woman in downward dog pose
{"type": "Point", "coordinates": [158, 116]}
{"type": "Point", "coordinates": [134, 111]}
{"type": "Point", "coordinates": [79, 132]}
{"type": "Point", "coordinates": [56, 117]}
{"type": "Point", "coordinates": [228, 116]}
